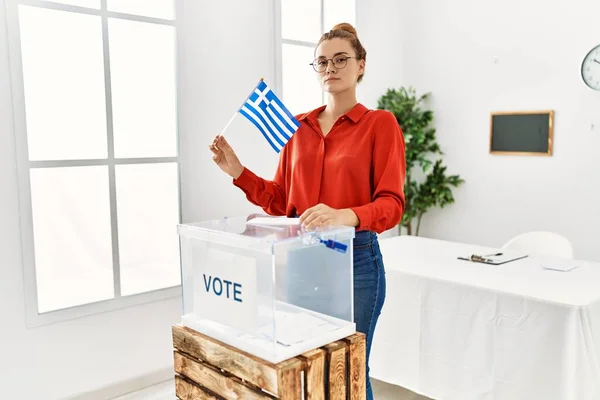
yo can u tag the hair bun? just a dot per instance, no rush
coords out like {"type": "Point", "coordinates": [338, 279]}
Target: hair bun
{"type": "Point", "coordinates": [344, 26]}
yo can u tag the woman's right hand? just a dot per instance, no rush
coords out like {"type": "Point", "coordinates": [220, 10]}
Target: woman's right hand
{"type": "Point", "coordinates": [225, 157]}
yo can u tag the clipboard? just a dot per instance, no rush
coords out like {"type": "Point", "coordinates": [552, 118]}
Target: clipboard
{"type": "Point", "coordinates": [494, 259]}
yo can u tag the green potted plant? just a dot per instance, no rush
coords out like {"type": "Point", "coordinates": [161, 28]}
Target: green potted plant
{"type": "Point", "coordinates": [434, 186]}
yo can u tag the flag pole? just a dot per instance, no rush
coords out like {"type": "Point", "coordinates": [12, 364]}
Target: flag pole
{"type": "Point", "coordinates": [229, 123]}
{"type": "Point", "coordinates": [239, 108]}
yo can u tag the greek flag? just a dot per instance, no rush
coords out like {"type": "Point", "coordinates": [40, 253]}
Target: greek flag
{"type": "Point", "coordinates": [270, 116]}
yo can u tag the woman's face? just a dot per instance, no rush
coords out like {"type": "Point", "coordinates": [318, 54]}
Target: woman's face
{"type": "Point", "coordinates": [337, 67]}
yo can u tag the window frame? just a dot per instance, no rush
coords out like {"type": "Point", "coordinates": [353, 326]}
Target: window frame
{"type": "Point", "coordinates": [280, 41]}
{"type": "Point", "coordinates": [23, 164]}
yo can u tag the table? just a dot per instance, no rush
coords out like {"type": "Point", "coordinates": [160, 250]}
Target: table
{"type": "Point", "coordinates": [454, 329]}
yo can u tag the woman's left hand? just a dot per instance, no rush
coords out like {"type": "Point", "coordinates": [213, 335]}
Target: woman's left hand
{"type": "Point", "coordinates": [322, 215]}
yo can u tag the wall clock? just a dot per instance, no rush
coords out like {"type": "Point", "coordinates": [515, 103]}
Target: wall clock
{"type": "Point", "coordinates": [590, 68]}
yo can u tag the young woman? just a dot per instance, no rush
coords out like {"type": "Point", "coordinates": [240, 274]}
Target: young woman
{"type": "Point", "coordinates": [345, 165]}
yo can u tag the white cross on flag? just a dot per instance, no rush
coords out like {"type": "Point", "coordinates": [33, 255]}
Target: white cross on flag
{"type": "Point", "coordinates": [264, 109]}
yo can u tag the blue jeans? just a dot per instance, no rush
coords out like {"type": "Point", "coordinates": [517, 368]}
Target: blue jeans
{"type": "Point", "coordinates": [369, 289]}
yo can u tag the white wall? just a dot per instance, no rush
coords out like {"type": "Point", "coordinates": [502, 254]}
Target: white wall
{"type": "Point", "coordinates": [384, 51]}
{"type": "Point", "coordinates": [477, 57]}
{"type": "Point", "coordinates": [71, 358]}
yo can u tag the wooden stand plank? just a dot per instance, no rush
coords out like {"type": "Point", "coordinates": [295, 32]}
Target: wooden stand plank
{"type": "Point", "coordinates": [357, 370]}
{"type": "Point", "coordinates": [290, 381]}
{"type": "Point", "coordinates": [314, 380]}
{"type": "Point", "coordinates": [336, 360]}
{"type": "Point", "coordinates": [187, 390]}
{"type": "Point", "coordinates": [228, 386]}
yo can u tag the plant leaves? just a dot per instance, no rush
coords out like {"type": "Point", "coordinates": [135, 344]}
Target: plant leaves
{"type": "Point", "coordinates": [416, 122]}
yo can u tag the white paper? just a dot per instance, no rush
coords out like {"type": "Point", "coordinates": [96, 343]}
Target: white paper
{"type": "Point", "coordinates": [274, 221]}
{"type": "Point", "coordinates": [563, 266]}
{"type": "Point", "coordinates": [297, 327]}
{"type": "Point", "coordinates": [225, 289]}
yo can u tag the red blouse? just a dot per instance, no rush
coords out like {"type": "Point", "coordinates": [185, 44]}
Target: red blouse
{"type": "Point", "coordinates": [360, 164]}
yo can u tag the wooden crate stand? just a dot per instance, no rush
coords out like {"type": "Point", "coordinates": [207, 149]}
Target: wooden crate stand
{"type": "Point", "coordinates": [209, 369]}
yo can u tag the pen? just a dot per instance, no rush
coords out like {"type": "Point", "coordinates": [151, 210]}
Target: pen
{"type": "Point", "coordinates": [484, 258]}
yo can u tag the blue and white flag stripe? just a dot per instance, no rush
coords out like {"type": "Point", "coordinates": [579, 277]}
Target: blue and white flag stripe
{"type": "Point", "coordinates": [270, 116]}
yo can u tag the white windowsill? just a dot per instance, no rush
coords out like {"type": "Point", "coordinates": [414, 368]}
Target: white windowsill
{"type": "Point", "coordinates": [34, 319]}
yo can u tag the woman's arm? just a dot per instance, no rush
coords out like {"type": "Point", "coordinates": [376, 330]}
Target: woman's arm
{"type": "Point", "coordinates": [389, 173]}
{"type": "Point", "coordinates": [269, 195]}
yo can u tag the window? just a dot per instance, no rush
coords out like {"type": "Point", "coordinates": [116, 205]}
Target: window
{"type": "Point", "coordinates": [302, 23]}
{"type": "Point", "coordinates": [94, 90]}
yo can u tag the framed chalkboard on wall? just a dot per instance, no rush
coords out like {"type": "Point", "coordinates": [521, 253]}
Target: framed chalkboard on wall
{"type": "Point", "coordinates": [522, 133]}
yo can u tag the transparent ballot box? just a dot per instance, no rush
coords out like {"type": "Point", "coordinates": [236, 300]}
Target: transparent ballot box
{"type": "Point", "coordinates": [266, 286]}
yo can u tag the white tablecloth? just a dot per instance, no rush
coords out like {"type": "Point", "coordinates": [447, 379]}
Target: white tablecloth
{"type": "Point", "coordinates": [458, 330]}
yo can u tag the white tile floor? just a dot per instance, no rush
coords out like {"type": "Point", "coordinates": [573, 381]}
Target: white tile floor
{"type": "Point", "coordinates": [166, 391]}
{"type": "Point", "coordinates": [162, 391]}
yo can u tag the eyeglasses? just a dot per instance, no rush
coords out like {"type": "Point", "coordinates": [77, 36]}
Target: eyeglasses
{"type": "Point", "coordinates": [339, 62]}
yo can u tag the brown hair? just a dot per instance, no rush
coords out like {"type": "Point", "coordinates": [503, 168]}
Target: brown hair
{"type": "Point", "coordinates": [346, 31]}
